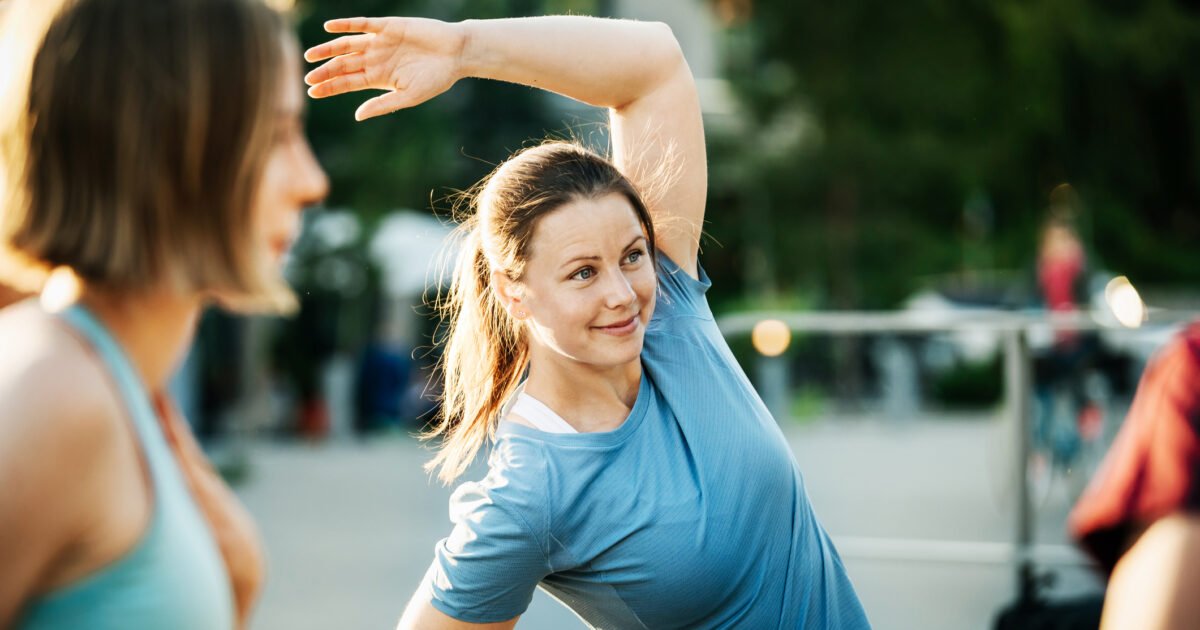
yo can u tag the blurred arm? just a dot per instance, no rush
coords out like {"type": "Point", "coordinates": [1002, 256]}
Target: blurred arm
{"type": "Point", "coordinates": [1154, 585]}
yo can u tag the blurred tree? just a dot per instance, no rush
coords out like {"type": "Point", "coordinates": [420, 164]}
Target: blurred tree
{"type": "Point", "coordinates": [880, 136]}
{"type": "Point", "coordinates": [414, 158]}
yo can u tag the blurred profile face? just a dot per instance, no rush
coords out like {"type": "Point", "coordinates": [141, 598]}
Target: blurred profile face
{"type": "Point", "coordinates": [292, 179]}
{"type": "Point", "coordinates": [589, 286]}
{"type": "Point", "coordinates": [1060, 241]}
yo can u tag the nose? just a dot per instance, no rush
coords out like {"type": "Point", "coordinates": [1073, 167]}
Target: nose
{"type": "Point", "coordinates": [618, 293]}
{"type": "Point", "coordinates": [311, 182]}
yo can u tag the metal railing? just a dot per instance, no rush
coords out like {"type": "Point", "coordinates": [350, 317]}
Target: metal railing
{"type": "Point", "coordinates": [1013, 329]}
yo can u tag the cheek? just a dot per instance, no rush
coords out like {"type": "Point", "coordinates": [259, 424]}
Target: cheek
{"type": "Point", "coordinates": [269, 207]}
{"type": "Point", "coordinates": [574, 311]}
{"type": "Point", "coordinates": [564, 317]}
{"type": "Point", "coordinates": [646, 287]}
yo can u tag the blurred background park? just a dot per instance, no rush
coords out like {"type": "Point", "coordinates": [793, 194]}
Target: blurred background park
{"type": "Point", "coordinates": [891, 181]}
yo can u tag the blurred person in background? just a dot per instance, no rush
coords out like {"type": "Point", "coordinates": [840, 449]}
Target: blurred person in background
{"type": "Point", "coordinates": [155, 149]}
{"type": "Point", "coordinates": [634, 472]}
{"type": "Point", "coordinates": [1140, 516]}
{"type": "Point", "coordinates": [1067, 413]}
{"type": "Point", "coordinates": [385, 369]}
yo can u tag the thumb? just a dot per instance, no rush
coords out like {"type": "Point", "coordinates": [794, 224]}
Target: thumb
{"type": "Point", "coordinates": [382, 104]}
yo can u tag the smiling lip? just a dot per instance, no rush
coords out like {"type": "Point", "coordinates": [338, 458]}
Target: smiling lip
{"type": "Point", "coordinates": [620, 328]}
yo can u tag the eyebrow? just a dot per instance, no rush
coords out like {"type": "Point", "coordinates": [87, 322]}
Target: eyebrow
{"type": "Point", "coordinates": [639, 237]}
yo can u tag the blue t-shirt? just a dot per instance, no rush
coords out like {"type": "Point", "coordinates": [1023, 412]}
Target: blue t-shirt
{"type": "Point", "coordinates": [691, 514]}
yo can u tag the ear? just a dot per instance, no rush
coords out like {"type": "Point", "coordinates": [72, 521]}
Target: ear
{"type": "Point", "coordinates": [509, 294]}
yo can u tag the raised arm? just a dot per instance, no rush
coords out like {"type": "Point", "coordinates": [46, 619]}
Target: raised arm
{"type": "Point", "coordinates": [635, 69]}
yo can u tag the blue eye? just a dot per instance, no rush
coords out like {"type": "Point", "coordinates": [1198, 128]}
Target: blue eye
{"type": "Point", "coordinates": [634, 256]}
{"type": "Point", "coordinates": [583, 274]}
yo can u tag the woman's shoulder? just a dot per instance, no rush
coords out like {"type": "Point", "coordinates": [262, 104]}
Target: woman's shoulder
{"type": "Point", "coordinates": [60, 434]}
{"type": "Point", "coordinates": [679, 291]}
{"type": "Point", "coordinates": [52, 389]}
{"type": "Point", "coordinates": [1174, 374]}
{"type": "Point", "coordinates": [1190, 339]}
{"type": "Point", "coordinates": [516, 483]}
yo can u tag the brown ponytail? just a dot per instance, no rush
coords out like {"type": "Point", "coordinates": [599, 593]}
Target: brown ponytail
{"type": "Point", "coordinates": [482, 361]}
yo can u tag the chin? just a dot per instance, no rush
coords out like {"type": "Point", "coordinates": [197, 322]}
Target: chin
{"type": "Point", "coordinates": [617, 357]}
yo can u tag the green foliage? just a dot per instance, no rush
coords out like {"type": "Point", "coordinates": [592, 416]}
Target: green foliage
{"type": "Point", "coordinates": [871, 124]}
{"type": "Point", "coordinates": [969, 385]}
{"type": "Point", "coordinates": [868, 129]}
{"type": "Point", "coordinates": [416, 158]}
{"type": "Point", "coordinates": [808, 403]}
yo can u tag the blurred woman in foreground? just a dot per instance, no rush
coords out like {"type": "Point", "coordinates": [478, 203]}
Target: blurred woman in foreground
{"type": "Point", "coordinates": [155, 151]}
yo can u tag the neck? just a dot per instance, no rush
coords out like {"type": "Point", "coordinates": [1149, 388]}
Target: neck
{"type": "Point", "coordinates": [589, 398]}
{"type": "Point", "coordinates": [153, 328]}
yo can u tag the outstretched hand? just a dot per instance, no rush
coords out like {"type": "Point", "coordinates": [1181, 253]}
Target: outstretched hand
{"type": "Point", "coordinates": [414, 59]}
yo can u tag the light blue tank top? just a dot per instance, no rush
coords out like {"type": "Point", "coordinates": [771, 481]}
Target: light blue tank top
{"type": "Point", "coordinates": [691, 514]}
{"type": "Point", "coordinates": [174, 576]}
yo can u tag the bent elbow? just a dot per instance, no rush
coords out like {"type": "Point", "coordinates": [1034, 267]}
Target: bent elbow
{"type": "Point", "coordinates": [666, 48]}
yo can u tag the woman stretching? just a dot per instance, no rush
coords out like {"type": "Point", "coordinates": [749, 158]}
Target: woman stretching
{"type": "Point", "coordinates": [634, 474]}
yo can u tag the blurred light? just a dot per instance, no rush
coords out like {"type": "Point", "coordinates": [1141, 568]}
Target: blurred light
{"type": "Point", "coordinates": [340, 275]}
{"type": "Point", "coordinates": [335, 229]}
{"type": "Point", "coordinates": [283, 6]}
{"type": "Point", "coordinates": [61, 289]}
{"type": "Point", "coordinates": [1125, 303]}
{"type": "Point", "coordinates": [771, 337]}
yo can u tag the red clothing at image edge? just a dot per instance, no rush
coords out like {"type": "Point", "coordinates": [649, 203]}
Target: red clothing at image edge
{"type": "Point", "coordinates": [1153, 467]}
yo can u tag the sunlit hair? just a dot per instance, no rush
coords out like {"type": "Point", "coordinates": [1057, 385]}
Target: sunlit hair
{"type": "Point", "coordinates": [485, 354]}
{"type": "Point", "coordinates": [140, 134]}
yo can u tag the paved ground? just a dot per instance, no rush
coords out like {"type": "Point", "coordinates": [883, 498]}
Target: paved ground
{"type": "Point", "coordinates": [350, 527]}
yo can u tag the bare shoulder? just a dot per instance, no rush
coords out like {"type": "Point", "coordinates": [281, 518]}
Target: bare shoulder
{"type": "Point", "coordinates": [54, 394]}
{"type": "Point", "coordinates": [60, 445]}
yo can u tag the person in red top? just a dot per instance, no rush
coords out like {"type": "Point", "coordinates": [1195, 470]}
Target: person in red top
{"type": "Point", "coordinates": [1062, 370]}
{"type": "Point", "coordinates": [1140, 516]}
{"type": "Point", "coordinates": [1060, 262]}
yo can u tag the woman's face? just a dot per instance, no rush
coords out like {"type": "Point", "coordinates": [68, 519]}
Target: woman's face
{"type": "Point", "coordinates": [588, 289]}
{"type": "Point", "coordinates": [292, 179]}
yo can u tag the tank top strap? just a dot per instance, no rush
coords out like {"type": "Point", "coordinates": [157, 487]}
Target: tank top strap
{"type": "Point", "coordinates": [174, 577]}
{"type": "Point", "coordinates": [132, 390]}
{"type": "Point", "coordinates": [539, 415]}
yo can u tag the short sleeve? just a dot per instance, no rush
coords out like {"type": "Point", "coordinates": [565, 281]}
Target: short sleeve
{"type": "Point", "coordinates": [485, 571]}
{"type": "Point", "coordinates": [679, 294]}
{"type": "Point", "coordinates": [1153, 467]}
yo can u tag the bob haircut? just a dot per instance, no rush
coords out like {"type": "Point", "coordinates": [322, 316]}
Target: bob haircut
{"type": "Point", "coordinates": [140, 135]}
